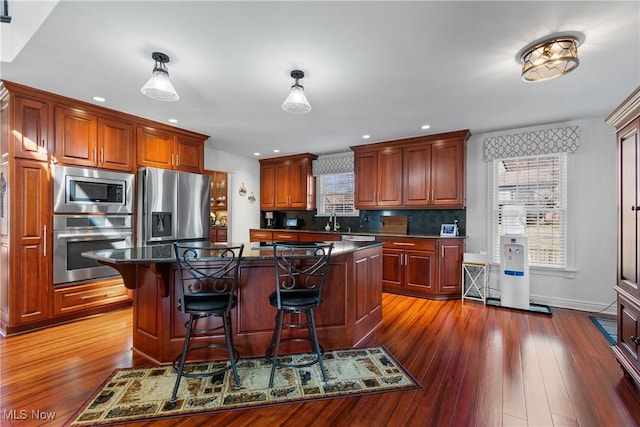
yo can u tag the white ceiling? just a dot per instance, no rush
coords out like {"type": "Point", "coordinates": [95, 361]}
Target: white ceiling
{"type": "Point", "coordinates": [378, 68]}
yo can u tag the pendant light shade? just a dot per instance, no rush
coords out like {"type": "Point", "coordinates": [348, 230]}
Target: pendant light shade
{"type": "Point", "coordinates": [550, 58]}
{"type": "Point", "coordinates": [296, 102]}
{"type": "Point", "coordinates": [159, 86]}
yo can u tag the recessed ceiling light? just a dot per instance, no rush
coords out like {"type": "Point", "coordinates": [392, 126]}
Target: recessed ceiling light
{"type": "Point", "coordinates": [256, 154]}
{"type": "Point", "coordinates": [366, 136]}
{"type": "Point", "coordinates": [99, 99]}
{"type": "Point", "coordinates": [173, 120]}
{"type": "Point", "coordinates": [426, 126]}
{"type": "Point", "coordinates": [276, 151]}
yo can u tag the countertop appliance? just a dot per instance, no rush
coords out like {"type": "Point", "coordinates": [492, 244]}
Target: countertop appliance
{"type": "Point", "coordinates": [172, 206]}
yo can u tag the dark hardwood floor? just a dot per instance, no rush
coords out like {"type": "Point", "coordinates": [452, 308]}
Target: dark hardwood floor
{"type": "Point", "coordinates": [478, 366]}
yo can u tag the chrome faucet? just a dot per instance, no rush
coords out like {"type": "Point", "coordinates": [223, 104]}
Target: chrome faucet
{"type": "Point", "coordinates": [336, 226]}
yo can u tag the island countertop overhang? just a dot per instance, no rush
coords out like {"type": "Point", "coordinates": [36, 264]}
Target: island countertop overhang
{"type": "Point", "coordinates": [163, 253]}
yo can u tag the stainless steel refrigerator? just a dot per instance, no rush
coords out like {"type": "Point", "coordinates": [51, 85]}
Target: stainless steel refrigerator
{"type": "Point", "coordinates": [172, 206]}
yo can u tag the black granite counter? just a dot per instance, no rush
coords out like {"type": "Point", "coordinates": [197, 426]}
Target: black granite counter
{"type": "Point", "coordinates": [164, 253]}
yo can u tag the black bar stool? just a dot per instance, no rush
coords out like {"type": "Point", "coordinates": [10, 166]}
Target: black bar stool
{"type": "Point", "coordinates": [209, 277]}
{"type": "Point", "coordinates": [300, 271]}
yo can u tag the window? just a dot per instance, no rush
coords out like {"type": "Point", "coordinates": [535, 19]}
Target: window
{"type": "Point", "coordinates": [336, 194]}
{"type": "Point", "coordinates": [540, 184]}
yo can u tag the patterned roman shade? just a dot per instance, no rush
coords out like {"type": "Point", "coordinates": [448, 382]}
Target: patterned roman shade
{"type": "Point", "coordinates": [333, 163]}
{"type": "Point", "coordinates": [538, 142]}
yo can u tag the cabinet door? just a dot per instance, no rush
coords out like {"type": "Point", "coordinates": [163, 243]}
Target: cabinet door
{"type": "Point", "coordinates": [628, 329]}
{"type": "Point", "coordinates": [31, 129]}
{"type": "Point", "coordinates": [189, 155]}
{"type": "Point", "coordinates": [366, 172]}
{"type": "Point", "coordinates": [420, 272]}
{"type": "Point", "coordinates": [282, 185]}
{"type": "Point", "coordinates": [450, 265]}
{"type": "Point", "coordinates": [299, 193]}
{"type": "Point", "coordinates": [267, 186]}
{"type": "Point", "coordinates": [417, 175]}
{"type": "Point", "coordinates": [393, 268]}
{"type": "Point", "coordinates": [447, 173]}
{"type": "Point", "coordinates": [31, 286]}
{"type": "Point", "coordinates": [115, 145]}
{"type": "Point", "coordinates": [76, 137]}
{"type": "Point", "coordinates": [155, 148]}
{"type": "Point", "coordinates": [629, 184]}
{"type": "Point", "coordinates": [389, 177]}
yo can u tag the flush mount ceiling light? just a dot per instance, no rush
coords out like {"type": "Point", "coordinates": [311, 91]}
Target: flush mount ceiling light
{"type": "Point", "coordinates": [296, 102]}
{"type": "Point", "coordinates": [549, 58]}
{"type": "Point", "coordinates": [158, 86]}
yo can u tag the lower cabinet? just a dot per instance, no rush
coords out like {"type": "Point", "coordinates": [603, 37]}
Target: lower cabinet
{"type": "Point", "coordinates": [218, 234]}
{"type": "Point", "coordinates": [422, 267]}
{"type": "Point", "coordinates": [89, 295]}
{"type": "Point", "coordinates": [627, 350]}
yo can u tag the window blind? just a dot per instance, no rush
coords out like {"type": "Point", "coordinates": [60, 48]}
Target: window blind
{"type": "Point", "coordinates": [540, 184]}
{"type": "Point", "coordinates": [336, 194]}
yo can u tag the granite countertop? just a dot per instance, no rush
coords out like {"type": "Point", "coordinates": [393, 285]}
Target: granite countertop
{"type": "Point", "coordinates": [364, 233]}
{"type": "Point", "coordinates": [163, 253]}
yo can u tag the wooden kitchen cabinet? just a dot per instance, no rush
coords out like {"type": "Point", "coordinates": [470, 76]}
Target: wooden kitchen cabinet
{"type": "Point", "coordinates": [94, 294]}
{"type": "Point", "coordinates": [433, 174]}
{"type": "Point", "coordinates": [422, 267]}
{"type": "Point", "coordinates": [378, 178]}
{"type": "Point", "coordinates": [408, 266]}
{"type": "Point", "coordinates": [27, 284]}
{"type": "Point", "coordinates": [414, 173]}
{"type": "Point", "coordinates": [31, 123]}
{"type": "Point", "coordinates": [85, 139]}
{"type": "Point", "coordinates": [450, 252]}
{"type": "Point", "coordinates": [626, 119]}
{"type": "Point", "coordinates": [164, 149]}
{"type": "Point", "coordinates": [260, 236]}
{"type": "Point", "coordinates": [287, 183]}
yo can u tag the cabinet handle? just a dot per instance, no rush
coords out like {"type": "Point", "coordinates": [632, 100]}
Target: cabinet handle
{"type": "Point", "coordinates": [177, 160]}
{"type": "Point", "coordinates": [635, 208]}
{"type": "Point", "coordinates": [102, 155]}
{"type": "Point", "coordinates": [107, 294]}
{"type": "Point", "coordinates": [95, 156]}
{"type": "Point", "coordinates": [636, 340]}
{"type": "Point", "coordinates": [403, 244]}
{"type": "Point", "coordinates": [44, 240]}
{"type": "Point", "coordinates": [172, 160]}
{"type": "Point", "coordinates": [442, 252]}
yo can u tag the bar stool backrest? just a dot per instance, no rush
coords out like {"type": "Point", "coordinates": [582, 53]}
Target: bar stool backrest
{"type": "Point", "coordinates": [301, 267]}
{"type": "Point", "coordinates": [207, 272]}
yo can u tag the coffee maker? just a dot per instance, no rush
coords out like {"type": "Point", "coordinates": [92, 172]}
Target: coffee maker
{"type": "Point", "coordinates": [269, 217]}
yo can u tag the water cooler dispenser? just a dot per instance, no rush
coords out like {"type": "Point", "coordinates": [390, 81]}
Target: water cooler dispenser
{"type": "Point", "coordinates": [514, 259]}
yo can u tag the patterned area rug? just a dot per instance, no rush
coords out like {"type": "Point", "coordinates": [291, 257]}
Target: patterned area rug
{"type": "Point", "coordinates": [608, 328]}
{"type": "Point", "coordinates": [136, 394]}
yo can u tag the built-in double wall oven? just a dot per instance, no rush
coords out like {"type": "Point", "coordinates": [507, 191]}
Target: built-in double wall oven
{"type": "Point", "coordinates": [93, 210]}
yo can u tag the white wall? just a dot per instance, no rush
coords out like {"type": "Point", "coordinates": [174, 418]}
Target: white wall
{"type": "Point", "coordinates": [242, 170]}
{"type": "Point", "coordinates": [591, 219]}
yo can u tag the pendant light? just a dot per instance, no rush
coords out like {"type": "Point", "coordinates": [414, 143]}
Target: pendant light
{"type": "Point", "coordinates": [159, 87]}
{"type": "Point", "coordinates": [296, 102]}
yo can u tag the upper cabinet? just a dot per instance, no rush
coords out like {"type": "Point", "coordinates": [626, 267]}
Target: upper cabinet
{"type": "Point", "coordinates": [287, 183]}
{"type": "Point", "coordinates": [218, 190]}
{"type": "Point", "coordinates": [85, 139]}
{"type": "Point", "coordinates": [414, 173]}
{"type": "Point", "coordinates": [31, 125]}
{"type": "Point", "coordinates": [162, 148]}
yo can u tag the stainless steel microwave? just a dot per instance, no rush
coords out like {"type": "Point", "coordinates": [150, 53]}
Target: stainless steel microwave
{"type": "Point", "coordinates": [90, 190]}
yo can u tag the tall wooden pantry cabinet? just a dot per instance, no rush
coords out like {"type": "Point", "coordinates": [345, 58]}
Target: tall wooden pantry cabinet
{"type": "Point", "coordinates": [626, 119]}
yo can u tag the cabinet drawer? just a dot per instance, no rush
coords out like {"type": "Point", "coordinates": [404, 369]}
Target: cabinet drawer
{"type": "Point", "coordinates": [260, 236]}
{"type": "Point", "coordinates": [78, 297]}
{"type": "Point", "coordinates": [285, 236]}
{"type": "Point", "coordinates": [408, 243]}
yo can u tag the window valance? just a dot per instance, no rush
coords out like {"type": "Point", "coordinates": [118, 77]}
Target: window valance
{"type": "Point", "coordinates": [333, 163]}
{"type": "Point", "coordinates": [538, 142]}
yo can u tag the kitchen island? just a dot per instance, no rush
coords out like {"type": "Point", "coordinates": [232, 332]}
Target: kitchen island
{"type": "Point", "coordinates": [350, 312]}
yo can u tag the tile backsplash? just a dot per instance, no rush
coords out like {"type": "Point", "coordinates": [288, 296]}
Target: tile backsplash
{"type": "Point", "coordinates": [426, 222]}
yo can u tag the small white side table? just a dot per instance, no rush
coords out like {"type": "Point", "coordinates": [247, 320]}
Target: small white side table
{"type": "Point", "coordinates": [474, 277]}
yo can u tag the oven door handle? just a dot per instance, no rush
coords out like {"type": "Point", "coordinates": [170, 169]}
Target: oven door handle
{"type": "Point", "coordinates": [98, 235]}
